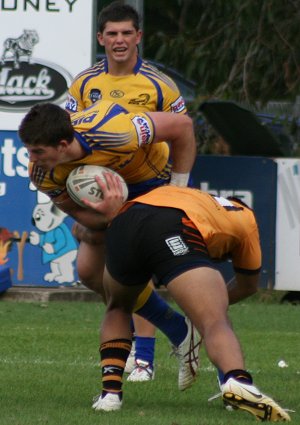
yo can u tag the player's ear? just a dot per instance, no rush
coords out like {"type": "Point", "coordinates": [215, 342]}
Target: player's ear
{"type": "Point", "coordinates": [63, 145]}
{"type": "Point", "coordinates": [139, 36]}
{"type": "Point", "coordinates": [100, 38]}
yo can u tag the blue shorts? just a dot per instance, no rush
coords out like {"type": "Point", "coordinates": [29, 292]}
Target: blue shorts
{"type": "Point", "coordinates": [138, 189]}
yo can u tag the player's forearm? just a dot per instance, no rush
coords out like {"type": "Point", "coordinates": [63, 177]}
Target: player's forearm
{"type": "Point", "coordinates": [183, 149]}
{"type": "Point", "coordinates": [241, 287]}
{"type": "Point", "coordinates": [83, 234]}
{"type": "Point", "coordinates": [89, 218]}
{"type": "Point", "coordinates": [178, 130]}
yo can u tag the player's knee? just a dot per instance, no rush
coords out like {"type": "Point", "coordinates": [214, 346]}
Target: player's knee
{"type": "Point", "coordinates": [95, 286]}
{"type": "Point", "coordinates": [89, 236]}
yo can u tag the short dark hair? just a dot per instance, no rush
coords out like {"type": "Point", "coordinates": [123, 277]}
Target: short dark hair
{"type": "Point", "coordinates": [118, 12]}
{"type": "Point", "coordinates": [46, 124]}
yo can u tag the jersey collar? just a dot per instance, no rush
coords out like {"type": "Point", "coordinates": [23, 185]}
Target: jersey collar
{"type": "Point", "coordinates": [135, 69]}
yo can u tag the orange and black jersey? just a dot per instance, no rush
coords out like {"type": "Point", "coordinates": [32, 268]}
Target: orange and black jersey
{"type": "Point", "coordinates": [227, 227]}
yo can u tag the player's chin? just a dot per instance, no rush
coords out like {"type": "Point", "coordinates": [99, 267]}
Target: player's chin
{"type": "Point", "coordinates": [44, 167]}
{"type": "Point", "coordinates": [120, 57]}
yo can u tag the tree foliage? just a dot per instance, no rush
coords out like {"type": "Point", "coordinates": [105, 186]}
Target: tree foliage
{"type": "Point", "coordinates": [246, 50]}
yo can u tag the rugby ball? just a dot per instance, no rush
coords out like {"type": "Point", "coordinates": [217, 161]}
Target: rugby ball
{"type": "Point", "coordinates": [81, 183]}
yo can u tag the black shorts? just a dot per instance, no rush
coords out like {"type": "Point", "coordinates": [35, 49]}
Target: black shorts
{"type": "Point", "coordinates": [148, 242]}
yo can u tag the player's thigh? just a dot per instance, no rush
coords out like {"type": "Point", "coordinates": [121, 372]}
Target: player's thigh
{"type": "Point", "coordinates": [201, 293]}
{"type": "Point", "coordinates": [90, 261]}
{"type": "Point", "coordinates": [120, 296]}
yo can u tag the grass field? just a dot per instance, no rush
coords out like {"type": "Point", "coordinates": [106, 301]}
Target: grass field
{"type": "Point", "coordinates": [49, 368]}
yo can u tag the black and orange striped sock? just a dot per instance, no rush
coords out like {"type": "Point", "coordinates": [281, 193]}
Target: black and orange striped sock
{"type": "Point", "coordinates": [113, 355]}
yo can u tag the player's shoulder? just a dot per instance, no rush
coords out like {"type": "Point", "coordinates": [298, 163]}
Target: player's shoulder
{"type": "Point", "coordinates": [93, 71]}
{"type": "Point", "coordinates": [43, 181]}
{"type": "Point", "coordinates": [152, 72]}
{"type": "Point", "coordinates": [98, 114]}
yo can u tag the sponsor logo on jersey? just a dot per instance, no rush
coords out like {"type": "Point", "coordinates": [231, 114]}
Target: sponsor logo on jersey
{"type": "Point", "coordinates": [95, 95]}
{"type": "Point", "coordinates": [71, 104]}
{"type": "Point", "coordinates": [142, 99]}
{"type": "Point", "coordinates": [143, 130]}
{"type": "Point", "coordinates": [85, 119]}
{"type": "Point", "coordinates": [25, 80]}
{"type": "Point", "coordinates": [178, 105]}
{"type": "Point", "coordinates": [177, 245]}
{"type": "Point", "coordinates": [116, 94]}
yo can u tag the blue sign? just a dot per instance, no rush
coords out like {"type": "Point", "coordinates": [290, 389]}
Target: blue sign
{"type": "Point", "coordinates": [35, 237]}
{"type": "Point", "coordinates": [254, 180]}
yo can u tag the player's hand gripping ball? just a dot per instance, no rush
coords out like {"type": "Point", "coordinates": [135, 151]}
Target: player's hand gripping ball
{"type": "Point", "coordinates": [81, 183]}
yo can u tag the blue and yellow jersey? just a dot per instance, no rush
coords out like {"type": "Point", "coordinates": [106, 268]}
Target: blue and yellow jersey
{"type": "Point", "coordinates": [228, 228]}
{"type": "Point", "coordinates": [114, 138]}
{"type": "Point", "coordinates": [146, 89]}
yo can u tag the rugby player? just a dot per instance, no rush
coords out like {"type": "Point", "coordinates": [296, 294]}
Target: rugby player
{"type": "Point", "coordinates": [123, 77]}
{"type": "Point", "coordinates": [106, 134]}
{"type": "Point", "coordinates": [177, 235]}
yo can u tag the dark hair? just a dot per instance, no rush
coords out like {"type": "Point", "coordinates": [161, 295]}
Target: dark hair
{"type": "Point", "coordinates": [46, 124]}
{"type": "Point", "coordinates": [118, 12]}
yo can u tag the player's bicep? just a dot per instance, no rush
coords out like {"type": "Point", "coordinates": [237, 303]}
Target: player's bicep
{"type": "Point", "coordinates": [85, 216]}
{"type": "Point", "coordinates": [169, 126]}
{"type": "Point", "coordinates": [65, 203]}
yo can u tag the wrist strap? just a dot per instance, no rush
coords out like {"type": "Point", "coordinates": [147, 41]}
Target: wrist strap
{"type": "Point", "coordinates": [179, 179]}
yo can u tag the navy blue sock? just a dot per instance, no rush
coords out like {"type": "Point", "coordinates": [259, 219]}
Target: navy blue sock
{"type": "Point", "coordinates": [240, 375]}
{"type": "Point", "coordinates": [221, 376]}
{"type": "Point", "coordinates": [169, 321]}
{"type": "Point", "coordinates": [144, 348]}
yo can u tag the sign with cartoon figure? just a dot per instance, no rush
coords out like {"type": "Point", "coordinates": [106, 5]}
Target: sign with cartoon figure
{"type": "Point", "coordinates": [42, 48]}
{"type": "Point", "coordinates": [54, 238]}
{"type": "Point", "coordinates": [36, 242]}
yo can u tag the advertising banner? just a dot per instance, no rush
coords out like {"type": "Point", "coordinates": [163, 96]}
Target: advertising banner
{"type": "Point", "coordinates": [287, 277]}
{"type": "Point", "coordinates": [43, 45]}
{"type": "Point", "coordinates": [36, 241]}
{"type": "Point", "coordinates": [35, 237]}
{"type": "Point", "coordinates": [253, 180]}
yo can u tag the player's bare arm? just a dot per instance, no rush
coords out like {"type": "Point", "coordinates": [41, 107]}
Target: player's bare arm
{"type": "Point", "coordinates": [87, 217]}
{"type": "Point", "coordinates": [95, 216]}
{"type": "Point", "coordinates": [179, 131]}
{"type": "Point", "coordinates": [113, 196]}
{"type": "Point", "coordinates": [242, 286]}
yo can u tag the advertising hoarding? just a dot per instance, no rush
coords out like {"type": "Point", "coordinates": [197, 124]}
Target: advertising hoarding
{"type": "Point", "coordinates": [287, 273]}
{"type": "Point", "coordinates": [253, 180]}
{"type": "Point", "coordinates": [44, 44]}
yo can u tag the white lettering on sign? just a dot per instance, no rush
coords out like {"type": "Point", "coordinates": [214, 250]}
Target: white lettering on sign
{"type": "Point", "coordinates": [27, 86]}
{"type": "Point", "coordinates": [2, 188]}
{"type": "Point", "coordinates": [18, 85]}
{"type": "Point", "coordinates": [245, 195]}
{"type": "Point", "coordinates": [13, 161]}
{"type": "Point", "coordinates": [37, 5]}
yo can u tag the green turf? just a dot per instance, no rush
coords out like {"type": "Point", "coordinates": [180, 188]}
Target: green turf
{"type": "Point", "coordinates": [49, 369]}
